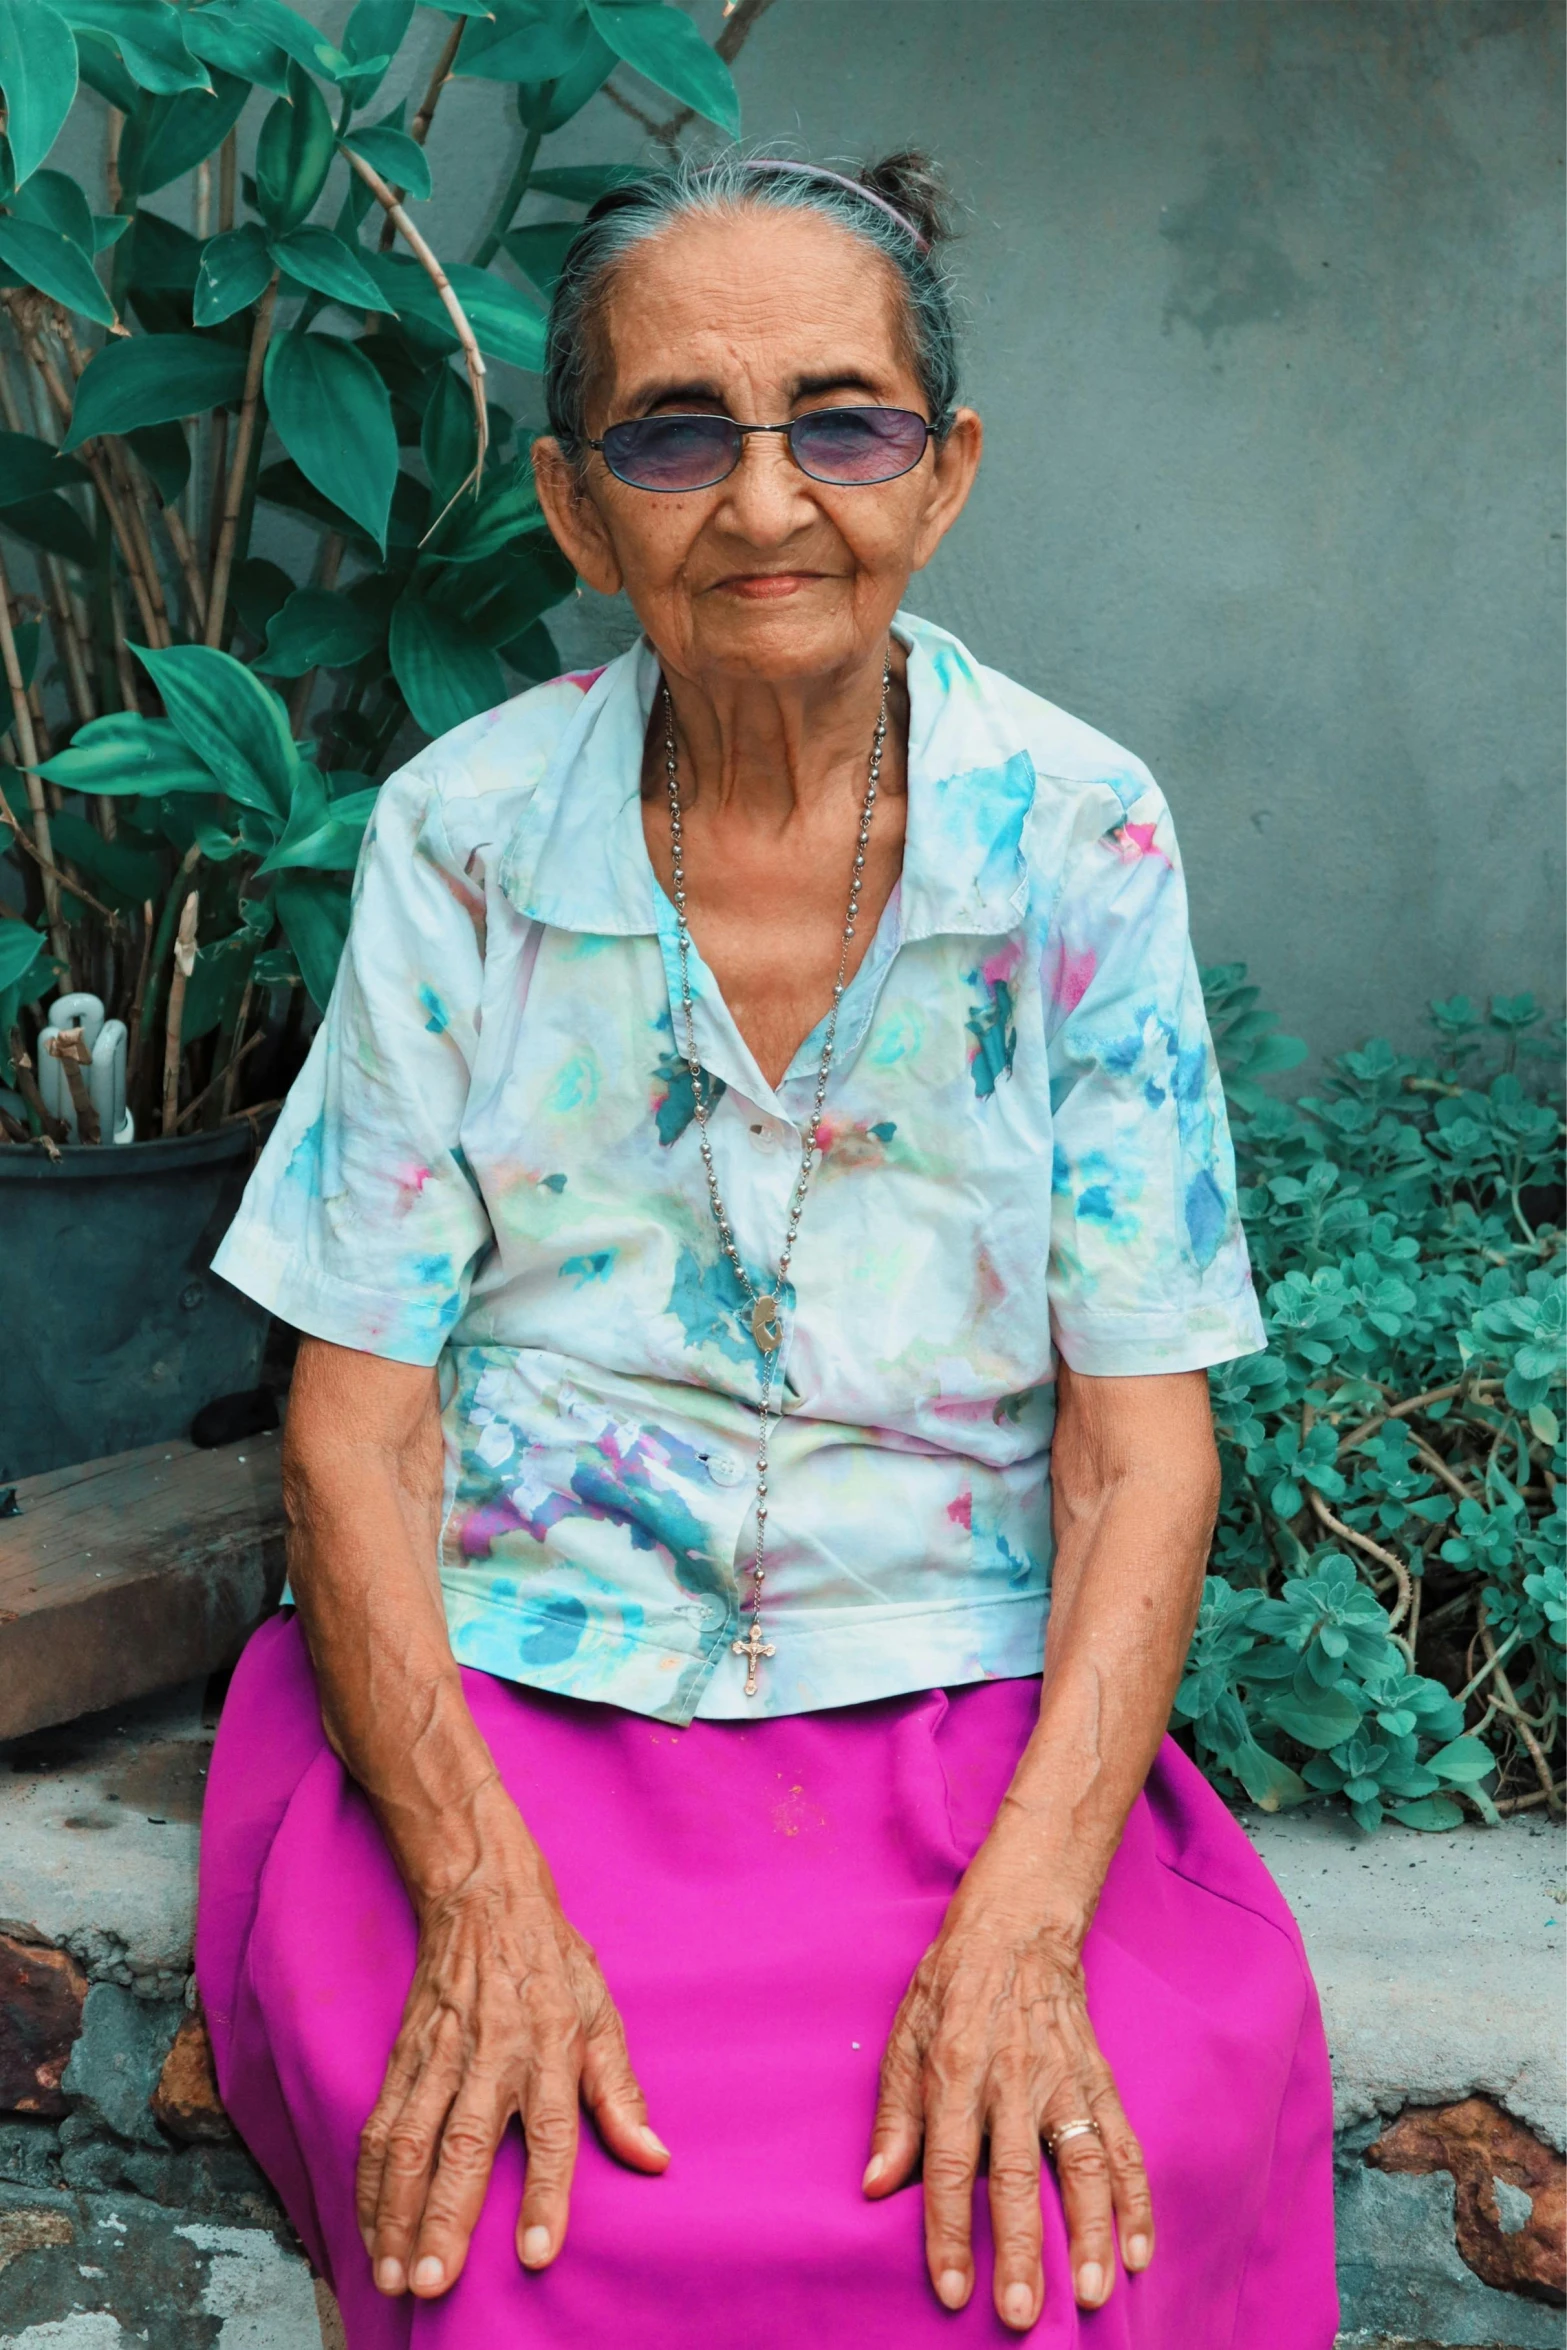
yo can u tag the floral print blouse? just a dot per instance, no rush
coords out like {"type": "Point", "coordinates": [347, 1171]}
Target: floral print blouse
{"type": "Point", "coordinates": [490, 1163]}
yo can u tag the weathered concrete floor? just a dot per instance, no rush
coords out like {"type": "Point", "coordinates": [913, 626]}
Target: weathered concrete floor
{"type": "Point", "coordinates": [1439, 1960]}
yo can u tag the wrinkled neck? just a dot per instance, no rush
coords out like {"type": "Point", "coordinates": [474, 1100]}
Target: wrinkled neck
{"type": "Point", "coordinates": [766, 751]}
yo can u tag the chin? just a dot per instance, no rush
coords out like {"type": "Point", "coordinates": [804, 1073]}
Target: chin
{"type": "Point", "coordinates": [807, 634]}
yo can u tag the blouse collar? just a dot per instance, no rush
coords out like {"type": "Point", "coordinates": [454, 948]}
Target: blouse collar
{"type": "Point", "coordinates": [578, 859]}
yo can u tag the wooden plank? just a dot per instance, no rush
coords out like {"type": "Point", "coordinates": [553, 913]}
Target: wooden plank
{"type": "Point", "coordinates": [129, 1574]}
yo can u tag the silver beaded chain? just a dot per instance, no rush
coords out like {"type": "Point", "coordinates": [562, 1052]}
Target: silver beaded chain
{"type": "Point", "coordinates": [765, 1305]}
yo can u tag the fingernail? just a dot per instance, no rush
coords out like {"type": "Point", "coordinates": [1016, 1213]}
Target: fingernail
{"type": "Point", "coordinates": [429, 2275]}
{"type": "Point", "coordinates": [367, 2238]}
{"type": "Point", "coordinates": [388, 2276]}
{"type": "Point", "coordinates": [1017, 2305]}
{"type": "Point", "coordinates": [874, 2169]}
{"type": "Point", "coordinates": [535, 2246]}
{"type": "Point", "coordinates": [1090, 2283]}
{"type": "Point", "coordinates": [952, 2286]}
{"type": "Point", "coordinates": [1138, 2252]}
{"type": "Point", "coordinates": [652, 2141]}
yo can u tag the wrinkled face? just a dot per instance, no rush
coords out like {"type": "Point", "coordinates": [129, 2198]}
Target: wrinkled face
{"type": "Point", "coordinates": [767, 574]}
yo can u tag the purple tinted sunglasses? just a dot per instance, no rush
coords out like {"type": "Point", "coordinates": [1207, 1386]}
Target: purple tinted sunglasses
{"type": "Point", "coordinates": [847, 447]}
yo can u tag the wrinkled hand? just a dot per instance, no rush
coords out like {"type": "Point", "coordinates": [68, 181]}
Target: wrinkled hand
{"type": "Point", "coordinates": [508, 2013]}
{"type": "Point", "coordinates": [993, 2040]}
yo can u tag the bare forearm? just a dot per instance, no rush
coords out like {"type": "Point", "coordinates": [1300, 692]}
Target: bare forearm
{"type": "Point", "coordinates": [362, 1490]}
{"type": "Point", "coordinates": [1135, 1505]}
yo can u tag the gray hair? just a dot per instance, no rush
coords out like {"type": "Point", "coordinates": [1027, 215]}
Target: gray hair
{"type": "Point", "coordinates": [898, 206]}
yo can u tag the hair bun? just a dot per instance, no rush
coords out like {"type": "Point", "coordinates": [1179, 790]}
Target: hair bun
{"type": "Point", "coordinates": [913, 185]}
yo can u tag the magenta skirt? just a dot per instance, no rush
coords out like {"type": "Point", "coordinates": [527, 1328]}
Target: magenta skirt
{"type": "Point", "coordinates": [758, 1896]}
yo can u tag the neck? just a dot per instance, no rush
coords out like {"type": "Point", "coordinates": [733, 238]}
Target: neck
{"type": "Point", "coordinates": [765, 751]}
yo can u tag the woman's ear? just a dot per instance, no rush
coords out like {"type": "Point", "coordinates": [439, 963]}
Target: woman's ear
{"type": "Point", "coordinates": [575, 523]}
{"type": "Point", "coordinates": [952, 477]}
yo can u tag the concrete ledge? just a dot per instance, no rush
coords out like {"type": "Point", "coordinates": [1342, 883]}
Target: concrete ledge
{"type": "Point", "coordinates": [130, 2216]}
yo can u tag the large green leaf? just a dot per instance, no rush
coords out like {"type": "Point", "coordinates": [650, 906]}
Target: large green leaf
{"type": "Point", "coordinates": [507, 323]}
{"type": "Point", "coordinates": [38, 78]}
{"type": "Point", "coordinates": [398, 158]}
{"type": "Point", "coordinates": [293, 154]}
{"type": "Point", "coordinates": [41, 257]}
{"type": "Point", "coordinates": [161, 256]}
{"type": "Point", "coordinates": [234, 723]}
{"type": "Point", "coordinates": [52, 525]}
{"type": "Point", "coordinates": [151, 379]}
{"type": "Point", "coordinates": [130, 874]}
{"type": "Point", "coordinates": [214, 988]}
{"type": "Point", "coordinates": [314, 913]}
{"type": "Point", "coordinates": [332, 414]}
{"type": "Point", "coordinates": [445, 674]}
{"type": "Point", "coordinates": [666, 48]}
{"type": "Point", "coordinates": [550, 105]}
{"type": "Point", "coordinates": [235, 268]}
{"type": "Point", "coordinates": [448, 439]}
{"type": "Point", "coordinates": [180, 132]}
{"type": "Point", "coordinates": [20, 949]}
{"type": "Point", "coordinates": [371, 38]}
{"type": "Point", "coordinates": [302, 41]}
{"type": "Point", "coordinates": [164, 453]}
{"type": "Point", "coordinates": [474, 529]}
{"type": "Point", "coordinates": [1322, 1718]}
{"type": "Point", "coordinates": [219, 39]}
{"type": "Point", "coordinates": [53, 199]}
{"type": "Point", "coordinates": [126, 753]}
{"type": "Point", "coordinates": [326, 262]}
{"type": "Point", "coordinates": [98, 62]}
{"type": "Point", "coordinates": [524, 41]}
{"type": "Point", "coordinates": [496, 600]}
{"type": "Point", "coordinates": [540, 250]}
{"type": "Point", "coordinates": [1462, 1761]}
{"type": "Point", "coordinates": [318, 628]}
{"type": "Point", "coordinates": [149, 37]}
{"type": "Point", "coordinates": [321, 835]}
{"type": "Point", "coordinates": [584, 183]}
{"type": "Point", "coordinates": [30, 468]}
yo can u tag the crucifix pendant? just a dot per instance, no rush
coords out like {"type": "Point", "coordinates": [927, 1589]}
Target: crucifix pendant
{"type": "Point", "coordinates": [766, 1328]}
{"type": "Point", "coordinates": [752, 1647]}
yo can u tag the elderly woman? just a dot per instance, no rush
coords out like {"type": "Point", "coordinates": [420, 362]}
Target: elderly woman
{"type": "Point", "coordinates": [761, 1211]}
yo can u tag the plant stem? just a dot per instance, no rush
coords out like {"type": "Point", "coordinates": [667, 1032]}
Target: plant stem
{"type": "Point", "coordinates": [516, 188]}
{"type": "Point", "coordinates": [261, 335]}
{"type": "Point", "coordinates": [231, 1072]}
{"type": "Point", "coordinates": [1363, 1542]}
{"type": "Point", "coordinates": [52, 1129]}
{"type": "Point", "coordinates": [419, 128]}
{"type": "Point", "coordinates": [1515, 1712]}
{"type": "Point", "coordinates": [27, 748]}
{"type": "Point", "coordinates": [162, 939]}
{"type": "Point", "coordinates": [209, 1091]}
{"type": "Point", "coordinates": [472, 356]}
{"type": "Point", "coordinates": [184, 965]}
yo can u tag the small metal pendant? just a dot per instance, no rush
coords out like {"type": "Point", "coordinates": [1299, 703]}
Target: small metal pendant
{"type": "Point", "coordinates": [766, 1328]}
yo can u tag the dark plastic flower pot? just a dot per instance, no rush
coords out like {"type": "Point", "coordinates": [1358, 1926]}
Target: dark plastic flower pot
{"type": "Point", "coordinates": [113, 1329]}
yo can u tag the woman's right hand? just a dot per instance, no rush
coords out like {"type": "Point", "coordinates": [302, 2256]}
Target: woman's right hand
{"type": "Point", "coordinates": [508, 2013]}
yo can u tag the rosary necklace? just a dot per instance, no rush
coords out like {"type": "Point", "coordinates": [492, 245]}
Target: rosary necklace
{"type": "Point", "coordinates": [766, 1305]}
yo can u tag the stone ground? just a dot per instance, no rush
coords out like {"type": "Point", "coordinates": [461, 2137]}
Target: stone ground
{"type": "Point", "coordinates": [130, 2219]}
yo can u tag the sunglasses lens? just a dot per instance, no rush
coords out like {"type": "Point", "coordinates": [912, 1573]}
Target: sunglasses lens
{"type": "Point", "coordinates": [858, 444]}
{"type": "Point", "coordinates": [672, 452]}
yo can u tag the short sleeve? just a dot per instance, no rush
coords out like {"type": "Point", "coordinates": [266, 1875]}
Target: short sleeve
{"type": "Point", "coordinates": [1148, 1265]}
{"type": "Point", "coordinates": [361, 1223]}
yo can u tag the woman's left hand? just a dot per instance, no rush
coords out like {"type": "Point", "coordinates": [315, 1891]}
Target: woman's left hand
{"type": "Point", "coordinates": [993, 2041]}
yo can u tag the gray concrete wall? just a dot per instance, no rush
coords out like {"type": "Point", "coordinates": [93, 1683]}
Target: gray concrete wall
{"type": "Point", "coordinates": [1264, 305]}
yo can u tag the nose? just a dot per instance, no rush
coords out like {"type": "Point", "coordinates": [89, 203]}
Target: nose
{"type": "Point", "coordinates": [767, 498]}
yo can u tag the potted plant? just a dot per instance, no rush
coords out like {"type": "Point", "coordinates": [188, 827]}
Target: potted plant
{"type": "Point", "coordinates": [195, 731]}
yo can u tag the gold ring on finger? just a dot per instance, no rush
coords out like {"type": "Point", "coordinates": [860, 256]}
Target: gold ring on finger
{"type": "Point", "coordinates": [1076, 2129]}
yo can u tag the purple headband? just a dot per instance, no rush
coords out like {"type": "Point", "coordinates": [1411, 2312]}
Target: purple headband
{"type": "Point", "coordinates": [819, 171]}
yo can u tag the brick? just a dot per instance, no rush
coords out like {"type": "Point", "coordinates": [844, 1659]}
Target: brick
{"type": "Point", "coordinates": [42, 1993]}
{"type": "Point", "coordinates": [1480, 2145]}
{"type": "Point", "coordinates": [186, 2099]}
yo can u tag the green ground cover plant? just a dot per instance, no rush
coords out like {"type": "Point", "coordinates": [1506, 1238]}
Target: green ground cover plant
{"type": "Point", "coordinates": [1385, 1620]}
